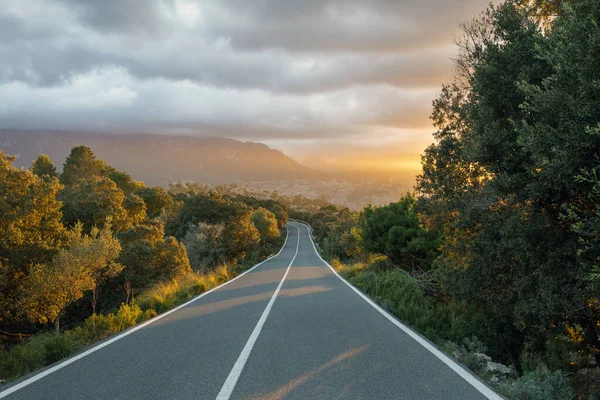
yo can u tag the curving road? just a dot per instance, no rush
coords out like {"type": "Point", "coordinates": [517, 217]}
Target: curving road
{"type": "Point", "coordinates": [288, 328]}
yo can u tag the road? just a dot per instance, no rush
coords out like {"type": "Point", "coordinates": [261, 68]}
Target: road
{"type": "Point", "coordinates": [288, 328]}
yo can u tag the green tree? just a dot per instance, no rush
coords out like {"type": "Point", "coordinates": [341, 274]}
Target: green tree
{"type": "Point", "coordinates": [148, 257]}
{"type": "Point", "coordinates": [204, 245]}
{"type": "Point", "coordinates": [82, 164]}
{"type": "Point", "coordinates": [395, 231]}
{"type": "Point", "coordinates": [210, 208]}
{"type": "Point", "coordinates": [124, 181]}
{"type": "Point", "coordinates": [266, 223]}
{"type": "Point", "coordinates": [43, 166]}
{"type": "Point", "coordinates": [171, 259]}
{"type": "Point", "coordinates": [88, 260]}
{"type": "Point", "coordinates": [276, 207]}
{"type": "Point", "coordinates": [514, 131]}
{"type": "Point", "coordinates": [136, 210]}
{"type": "Point", "coordinates": [30, 228]}
{"type": "Point", "coordinates": [94, 202]}
{"type": "Point", "coordinates": [240, 236]}
{"type": "Point", "coordinates": [156, 199]}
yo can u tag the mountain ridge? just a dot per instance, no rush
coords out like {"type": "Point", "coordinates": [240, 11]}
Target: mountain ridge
{"type": "Point", "coordinates": [161, 159]}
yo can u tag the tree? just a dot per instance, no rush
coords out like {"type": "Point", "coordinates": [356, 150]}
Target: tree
{"type": "Point", "coordinates": [210, 208]}
{"type": "Point", "coordinates": [204, 245]}
{"type": "Point", "coordinates": [156, 199]}
{"type": "Point", "coordinates": [266, 223]}
{"type": "Point", "coordinates": [124, 181]}
{"type": "Point", "coordinates": [30, 228]}
{"type": "Point", "coordinates": [94, 202]}
{"type": "Point", "coordinates": [43, 166]}
{"type": "Point", "coordinates": [239, 237]}
{"type": "Point", "coordinates": [395, 231]}
{"type": "Point", "coordinates": [171, 259]}
{"type": "Point", "coordinates": [88, 260]}
{"type": "Point", "coordinates": [136, 210]}
{"type": "Point", "coordinates": [148, 257]}
{"type": "Point", "coordinates": [510, 181]}
{"type": "Point", "coordinates": [82, 164]}
{"type": "Point", "coordinates": [276, 207]}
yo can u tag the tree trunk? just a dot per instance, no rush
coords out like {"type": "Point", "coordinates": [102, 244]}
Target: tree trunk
{"type": "Point", "coordinates": [57, 322]}
{"type": "Point", "coordinates": [94, 298]}
{"type": "Point", "coordinates": [127, 288]}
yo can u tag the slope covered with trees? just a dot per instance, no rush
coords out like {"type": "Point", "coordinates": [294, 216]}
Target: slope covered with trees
{"type": "Point", "coordinates": [89, 251]}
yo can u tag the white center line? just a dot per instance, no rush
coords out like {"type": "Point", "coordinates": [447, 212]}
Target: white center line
{"type": "Point", "coordinates": [236, 371]}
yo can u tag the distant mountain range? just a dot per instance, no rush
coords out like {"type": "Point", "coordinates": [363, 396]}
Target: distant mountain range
{"type": "Point", "coordinates": [161, 159]}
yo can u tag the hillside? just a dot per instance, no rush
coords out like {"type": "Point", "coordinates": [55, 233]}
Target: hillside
{"type": "Point", "coordinates": [161, 159]}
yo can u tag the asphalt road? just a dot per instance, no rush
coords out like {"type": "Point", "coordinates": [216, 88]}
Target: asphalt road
{"type": "Point", "coordinates": [289, 328]}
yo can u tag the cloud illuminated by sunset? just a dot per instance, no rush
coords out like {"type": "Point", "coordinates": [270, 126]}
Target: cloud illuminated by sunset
{"type": "Point", "coordinates": [299, 75]}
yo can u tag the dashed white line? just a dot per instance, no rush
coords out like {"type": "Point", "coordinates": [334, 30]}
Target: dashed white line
{"type": "Point", "coordinates": [236, 371]}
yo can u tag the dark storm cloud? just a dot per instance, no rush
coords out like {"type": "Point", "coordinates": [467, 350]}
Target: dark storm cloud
{"type": "Point", "coordinates": [342, 25]}
{"type": "Point", "coordinates": [122, 16]}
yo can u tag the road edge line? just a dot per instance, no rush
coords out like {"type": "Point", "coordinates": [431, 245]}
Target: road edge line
{"type": "Point", "coordinates": [12, 389]}
{"type": "Point", "coordinates": [236, 371]}
{"type": "Point", "coordinates": [459, 369]}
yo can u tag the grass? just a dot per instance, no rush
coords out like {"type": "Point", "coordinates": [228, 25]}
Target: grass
{"type": "Point", "coordinates": [36, 352]}
{"type": "Point", "coordinates": [167, 295]}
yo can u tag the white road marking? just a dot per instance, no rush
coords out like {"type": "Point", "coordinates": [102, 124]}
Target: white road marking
{"type": "Point", "coordinates": [71, 360]}
{"type": "Point", "coordinates": [467, 376]}
{"type": "Point", "coordinates": [236, 371]}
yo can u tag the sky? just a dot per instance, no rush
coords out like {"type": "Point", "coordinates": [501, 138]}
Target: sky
{"type": "Point", "coordinates": [348, 82]}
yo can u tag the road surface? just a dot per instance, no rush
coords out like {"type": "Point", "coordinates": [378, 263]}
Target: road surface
{"type": "Point", "coordinates": [289, 328]}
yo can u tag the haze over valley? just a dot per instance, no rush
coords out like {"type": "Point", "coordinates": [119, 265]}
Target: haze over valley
{"type": "Point", "coordinates": [159, 160]}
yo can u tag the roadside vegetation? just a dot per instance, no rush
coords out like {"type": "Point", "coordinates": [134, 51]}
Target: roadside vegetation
{"type": "Point", "coordinates": [495, 257]}
{"type": "Point", "coordinates": [89, 252]}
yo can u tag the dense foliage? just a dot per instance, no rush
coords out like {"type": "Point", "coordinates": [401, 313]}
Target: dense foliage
{"type": "Point", "coordinates": [78, 248]}
{"type": "Point", "coordinates": [511, 180]}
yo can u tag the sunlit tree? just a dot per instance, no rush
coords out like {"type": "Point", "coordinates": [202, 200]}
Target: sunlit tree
{"type": "Point", "coordinates": [30, 228]}
{"type": "Point", "coordinates": [83, 265]}
{"type": "Point", "coordinates": [266, 223]}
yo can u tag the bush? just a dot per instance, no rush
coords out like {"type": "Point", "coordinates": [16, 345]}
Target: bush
{"type": "Point", "coordinates": [54, 346]}
{"type": "Point", "coordinates": [540, 384]}
{"type": "Point", "coordinates": [96, 327]}
{"type": "Point", "coordinates": [337, 265]}
{"type": "Point", "coordinates": [351, 271]}
{"type": "Point", "coordinates": [34, 353]}
{"type": "Point", "coordinates": [400, 293]}
{"type": "Point", "coordinates": [100, 326]}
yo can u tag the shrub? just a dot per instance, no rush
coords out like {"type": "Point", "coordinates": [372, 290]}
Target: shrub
{"type": "Point", "coordinates": [34, 353]}
{"type": "Point", "coordinates": [337, 265]}
{"type": "Point", "coordinates": [96, 327]}
{"type": "Point", "coordinates": [351, 271]}
{"type": "Point", "coordinates": [54, 346]}
{"type": "Point", "coordinates": [20, 360]}
{"type": "Point", "coordinates": [100, 326]}
{"type": "Point", "coordinates": [129, 315]}
{"type": "Point", "coordinates": [540, 384]}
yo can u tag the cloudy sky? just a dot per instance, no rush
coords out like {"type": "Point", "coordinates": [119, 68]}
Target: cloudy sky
{"type": "Point", "coordinates": [342, 79]}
